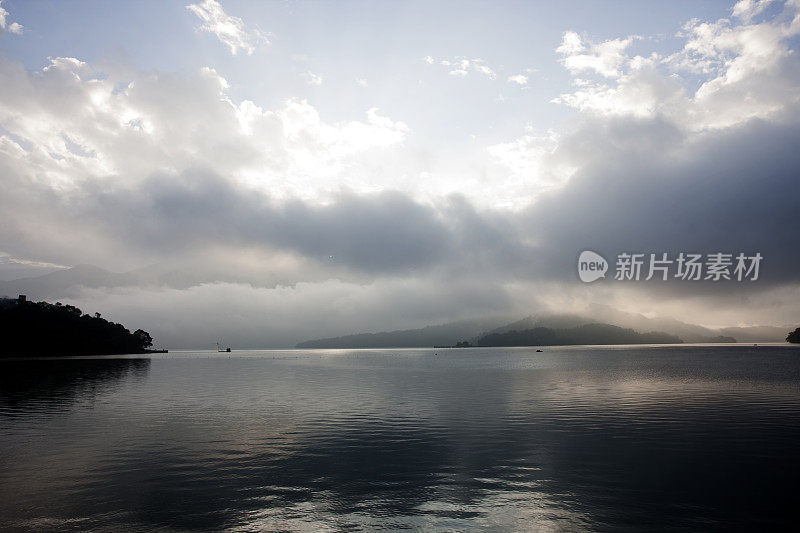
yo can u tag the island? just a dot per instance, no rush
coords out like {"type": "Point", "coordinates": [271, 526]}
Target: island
{"type": "Point", "coordinates": [43, 329]}
{"type": "Point", "coordinates": [460, 344]}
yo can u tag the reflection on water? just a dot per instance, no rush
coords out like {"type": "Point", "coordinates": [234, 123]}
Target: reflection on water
{"type": "Point", "coordinates": [498, 439]}
{"type": "Point", "coordinates": [53, 383]}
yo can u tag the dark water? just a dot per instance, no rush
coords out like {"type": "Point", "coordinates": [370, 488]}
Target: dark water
{"type": "Point", "coordinates": [686, 438]}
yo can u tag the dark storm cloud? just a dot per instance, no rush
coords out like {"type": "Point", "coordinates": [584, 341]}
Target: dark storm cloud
{"type": "Point", "coordinates": [386, 233]}
{"type": "Point", "coordinates": [648, 190]}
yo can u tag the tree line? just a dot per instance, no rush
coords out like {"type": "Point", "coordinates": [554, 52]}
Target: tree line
{"type": "Point", "coordinates": [43, 329]}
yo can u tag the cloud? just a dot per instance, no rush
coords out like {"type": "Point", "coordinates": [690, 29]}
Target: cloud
{"type": "Point", "coordinates": [460, 67]}
{"type": "Point", "coordinates": [74, 124]}
{"type": "Point", "coordinates": [519, 79]}
{"type": "Point", "coordinates": [746, 71]}
{"type": "Point", "coordinates": [230, 30]}
{"type": "Point", "coordinates": [361, 82]}
{"type": "Point", "coordinates": [643, 92]}
{"type": "Point", "coordinates": [605, 58]}
{"type": "Point", "coordinates": [726, 190]}
{"type": "Point", "coordinates": [311, 78]}
{"type": "Point", "coordinates": [204, 171]}
{"type": "Point", "coordinates": [747, 9]}
{"type": "Point", "coordinates": [529, 162]}
{"type": "Point", "coordinates": [384, 233]}
{"type": "Point", "coordinates": [14, 27]}
{"type": "Point", "coordinates": [656, 162]}
{"type": "Point", "coordinates": [71, 136]}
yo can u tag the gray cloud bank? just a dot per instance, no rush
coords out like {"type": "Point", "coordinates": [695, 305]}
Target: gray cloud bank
{"type": "Point", "coordinates": [730, 191]}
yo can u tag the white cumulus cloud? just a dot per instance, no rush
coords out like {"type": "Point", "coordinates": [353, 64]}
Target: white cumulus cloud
{"type": "Point", "coordinates": [605, 58]}
{"type": "Point", "coordinates": [14, 27]}
{"type": "Point", "coordinates": [746, 70]}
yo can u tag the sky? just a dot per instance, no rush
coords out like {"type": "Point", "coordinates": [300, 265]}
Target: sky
{"type": "Point", "coordinates": [292, 170]}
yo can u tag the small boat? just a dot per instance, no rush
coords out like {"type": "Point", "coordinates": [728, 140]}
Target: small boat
{"type": "Point", "coordinates": [221, 348]}
{"type": "Point", "coordinates": [538, 350]}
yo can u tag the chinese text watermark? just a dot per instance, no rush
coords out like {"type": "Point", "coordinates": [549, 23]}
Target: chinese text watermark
{"type": "Point", "coordinates": [718, 266]}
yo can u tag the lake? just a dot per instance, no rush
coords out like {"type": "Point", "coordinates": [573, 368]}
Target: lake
{"type": "Point", "coordinates": [496, 439]}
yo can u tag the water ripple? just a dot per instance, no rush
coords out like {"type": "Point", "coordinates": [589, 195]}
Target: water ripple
{"type": "Point", "coordinates": [497, 439]}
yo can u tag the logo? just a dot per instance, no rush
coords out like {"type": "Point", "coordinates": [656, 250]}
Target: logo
{"type": "Point", "coordinates": [591, 266]}
{"type": "Point", "coordinates": [718, 266]}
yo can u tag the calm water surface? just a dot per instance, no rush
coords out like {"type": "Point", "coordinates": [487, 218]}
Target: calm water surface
{"type": "Point", "coordinates": [679, 438]}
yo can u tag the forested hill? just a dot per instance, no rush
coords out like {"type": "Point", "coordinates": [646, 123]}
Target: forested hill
{"type": "Point", "coordinates": [584, 334]}
{"type": "Point", "coordinates": [410, 338]}
{"type": "Point", "coordinates": [43, 329]}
